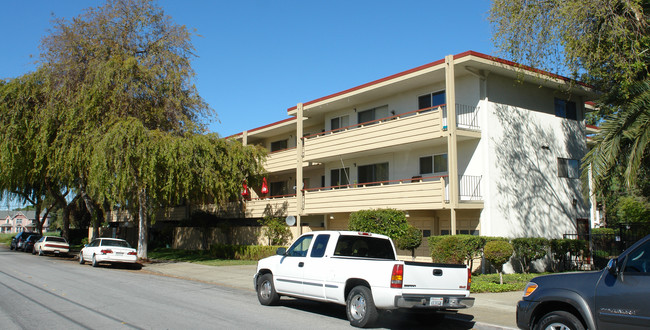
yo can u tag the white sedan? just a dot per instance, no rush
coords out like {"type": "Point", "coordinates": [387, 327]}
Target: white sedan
{"type": "Point", "coordinates": [51, 244]}
{"type": "Point", "coordinates": [108, 250]}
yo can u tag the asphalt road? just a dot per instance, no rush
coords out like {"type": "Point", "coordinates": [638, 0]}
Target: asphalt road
{"type": "Point", "coordinates": [58, 293]}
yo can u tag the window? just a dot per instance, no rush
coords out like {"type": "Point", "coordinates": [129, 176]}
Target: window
{"type": "Point", "coordinates": [431, 100]}
{"type": "Point", "coordinates": [566, 109]}
{"type": "Point", "coordinates": [19, 221]}
{"type": "Point", "coordinates": [372, 114]}
{"type": "Point", "coordinates": [433, 164]}
{"type": "Point", "coordinates": [638, 261]}
{"type": "Point", "coordinates": [339, 122]}
{"type": "Point", "coordinates": [340, 177]}
{"type": "Point", "coordinates": [278, 188]}
{"type": "Point", "coordinates": [319, 246]}
{"type": "Point", "coordinates": [568, 168]}
{"type": "Point", "coordinates": [373, 173]}
{"type": "Point", "coordinates": [364, 246]}
{"type": "Point", "coordinates": [278, 145]}
{"type": "Point", "coordinates": [300, 247]}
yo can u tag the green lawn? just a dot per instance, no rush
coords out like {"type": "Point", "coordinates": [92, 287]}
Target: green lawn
{"type": "Point", "coordinates": [511, 282]}
{"type": "Point", "coordinates": [199, 257]}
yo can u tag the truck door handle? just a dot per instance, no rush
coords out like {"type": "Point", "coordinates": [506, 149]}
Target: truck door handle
{"type": "Point", "coordinates": [300, 264]}
{"type": "Point", "coordinates": [437, 272]}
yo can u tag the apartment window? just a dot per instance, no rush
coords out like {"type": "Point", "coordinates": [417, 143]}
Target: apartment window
{"type": "Point", "coordinates": [373, 173]}
{"type": "Point", "coordinates": [339, 122]}
{"type": "Point", "coordinates": [432, 99]}
{"type": "Point", "coordinates": [433, 164]}
{"type": "Point", "coordinates": [279, 145]}
{"type": "Point", "coordinates": [340, 177]}
{"type": "Point", "coordinates": [278, 188]}
{"type": "Point", "coordinates": [372, 114]}
{"type": "Point", "coordinates": [568, 168]}
{"type": "Point", "coordinates": [566, 109]}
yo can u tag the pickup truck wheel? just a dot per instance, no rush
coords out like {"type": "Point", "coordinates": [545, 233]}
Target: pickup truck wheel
{"type": "Point", "coordinates": [559, 320]}
{"type": "Point", "coordinates": [266, 291]}
{"type": "Point", "coordinates": [360, 307]}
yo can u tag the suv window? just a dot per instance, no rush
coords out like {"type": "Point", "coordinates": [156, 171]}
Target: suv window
{"type": "Point", "coordinates": [639, 260]}
{"type": "Point", "coordinates": [318, 251]}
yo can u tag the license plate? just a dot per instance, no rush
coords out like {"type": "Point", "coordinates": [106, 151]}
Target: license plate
{"type": "Point", "coordinates": [119, 253]}
{"type": "Point", "coordinates": [56, 251]}
{"type": "Point", "coordinates": [436, 301]}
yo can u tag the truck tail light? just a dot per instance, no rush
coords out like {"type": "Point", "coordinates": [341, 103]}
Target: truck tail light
{"type": "Point", "coordinates": [397, 278]}
{"type": "Point", "coordinates": [469, 278]}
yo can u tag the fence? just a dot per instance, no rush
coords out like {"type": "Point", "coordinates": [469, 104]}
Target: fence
{"type": "Point", "coordinates": [608, 246]}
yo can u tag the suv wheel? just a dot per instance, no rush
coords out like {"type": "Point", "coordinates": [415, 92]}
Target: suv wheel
{"type": "Point", "coordinates": [559, 320]}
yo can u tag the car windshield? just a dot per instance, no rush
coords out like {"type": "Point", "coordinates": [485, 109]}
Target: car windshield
{"type": "Point", "coordinates": [118, 243]}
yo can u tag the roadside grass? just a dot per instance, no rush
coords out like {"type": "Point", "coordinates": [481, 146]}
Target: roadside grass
{"type": "Point", "coordinates": [511, 282]}
{"type": "Point", "coordinates": [195, 256]}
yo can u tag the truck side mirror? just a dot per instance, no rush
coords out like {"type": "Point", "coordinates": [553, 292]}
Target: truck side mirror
{"type": "Point", "coordinates": [281, 251]}
{"type": "Point", "coordinates": [612, 266]}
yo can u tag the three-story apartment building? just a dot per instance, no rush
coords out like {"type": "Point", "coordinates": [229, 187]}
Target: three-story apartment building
{"type": "Point", "coordinates": [469, 144]}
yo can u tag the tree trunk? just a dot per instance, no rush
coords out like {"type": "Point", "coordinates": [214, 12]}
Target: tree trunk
{"type": "Point", "coordinates": [142, 233]}
{"type": "Point", "coordinates": [501, 278]}
{"type": "Point", "coordinates": [90, 206]}
{"type": "Point", "coordinates": [39, 223]}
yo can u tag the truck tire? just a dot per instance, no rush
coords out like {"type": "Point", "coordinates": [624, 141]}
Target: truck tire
{"type": "Point", "coordinates": [266, 291]}
{"type": "Point", "coordinates": [559, 320]}
{"type": "Point", "coordinates": [360, 307]}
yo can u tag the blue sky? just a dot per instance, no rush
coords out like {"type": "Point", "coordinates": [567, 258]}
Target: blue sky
{"type": "Point", "coordinates": [258, 58]}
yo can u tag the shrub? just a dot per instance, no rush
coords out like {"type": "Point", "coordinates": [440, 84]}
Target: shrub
{"type": "Point", "coordinates": [389, 222]}
{"type": "Point", "coordinates": [447, 249]}
{"type": "Point", "coordinates": [411, 240]}
{"type": "Point", "coordinates": [529, 249]}
{"type": "Point", "coordinates": [276, 230]}
{"type": "Point", "coordinates": [242, 252]}
{"type": "Point", "coordinates": [498, 253]}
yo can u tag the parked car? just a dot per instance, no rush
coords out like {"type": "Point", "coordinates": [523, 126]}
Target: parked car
{"type": "Point", "coordinates": [108, 250]}
{"type": "Point", "coordinates": [613, 298]}
{"type": "Point", "coordinates": [18, 240]}
{"type": "Point", "coordinates": [360, 271]}
{"type": "Point", "coordinates": [28, 246]}
{"type": "Point", "coordinates": [51, 244]}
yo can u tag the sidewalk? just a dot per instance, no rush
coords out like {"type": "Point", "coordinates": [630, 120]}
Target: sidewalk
{"type": "Point", "coordinates": [490, 311]}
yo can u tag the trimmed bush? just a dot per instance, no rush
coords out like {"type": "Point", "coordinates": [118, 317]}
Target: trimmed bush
{"type": "Point", "coordinates": [447, 249]}
{"type": "Point", "coordinates": [498, 252]}
{"type": "Point", "coordinates": [411, 240]}
{"type": "Point", "coordinates": [389, 222]}
{"type": "Point", "coordinates": [529, 249]}
{"type": "Point", "coordinates": [242, 252]}
{"type": "Point", "coordinates": [276, 230]}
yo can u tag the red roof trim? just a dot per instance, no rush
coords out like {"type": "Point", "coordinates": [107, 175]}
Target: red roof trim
{"type": "Point", "coordinates": [263, 127]}
{"type": "Point", "coordinates": [403, 73]}
{"type": "Point", "coordinates": [422, 67]}
{"type": "Point", "coordinates": [592, 126]}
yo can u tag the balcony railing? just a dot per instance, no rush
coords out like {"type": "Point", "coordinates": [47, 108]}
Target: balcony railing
{"type": "Point", "coordinates": [281, 160]}
{"type": "Point", "coordinates": [466, 117]}
{"type": "Point", "coordinates": [470, 188]}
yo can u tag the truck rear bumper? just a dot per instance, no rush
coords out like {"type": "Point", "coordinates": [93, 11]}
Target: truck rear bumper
{"type": "Point", "coordinates": [434, 302]}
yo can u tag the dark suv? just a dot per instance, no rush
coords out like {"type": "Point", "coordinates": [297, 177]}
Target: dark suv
{"type": "Point", "coordinates": [18, 241]}
{"type": "Point", "coordinates": [613, 298]}
{"type": "Point", "coordinates": [28, 246]}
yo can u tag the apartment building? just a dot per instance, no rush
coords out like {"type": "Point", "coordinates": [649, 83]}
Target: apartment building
{"type": "Point", "coordinates": [468, 144]}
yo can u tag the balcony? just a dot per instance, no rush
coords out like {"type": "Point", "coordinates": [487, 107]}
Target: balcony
{"type": "Point", "coordinates": [281, 160]}
{"type": "Point", "coordinates": [407, 128]}
{"type": "Point", "coordinates": [276, 205]}
{"type": "Point", "coordinates": [409, 194]}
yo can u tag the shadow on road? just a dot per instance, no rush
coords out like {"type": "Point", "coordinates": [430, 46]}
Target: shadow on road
{"type": "Point", "coordinates": [387, 319]}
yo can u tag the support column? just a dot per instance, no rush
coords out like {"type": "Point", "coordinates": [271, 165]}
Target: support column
{"type": "Point", "coordinates": [299, 162]}
{"type": "Point", "coordinates": [452, 139]}
{"type": "Point", "coordinates": [244, 138]}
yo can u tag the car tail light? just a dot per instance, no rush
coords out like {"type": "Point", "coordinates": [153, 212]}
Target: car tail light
{"type": "Point", "coordinates": [397, 278]}
{"type": "Point", "coordinates": [131, 253]}
{"type": "Point", "coordinates": [106, 251]}
{"type": "Point", "coordinates": [469, 279]}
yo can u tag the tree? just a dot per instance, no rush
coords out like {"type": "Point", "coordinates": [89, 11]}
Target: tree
{"type": "Point", "coordinates": [411, 240]}
{"type": "Point", "coordinates": [276, 230]}
{"type": "Point", "coordinates": [498, 253]}
{"type": "Point", "coordinates": [603, 43]}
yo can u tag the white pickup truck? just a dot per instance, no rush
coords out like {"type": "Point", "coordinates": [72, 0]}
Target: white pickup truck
{"type": "Point", "coordinates": [360, 270]}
